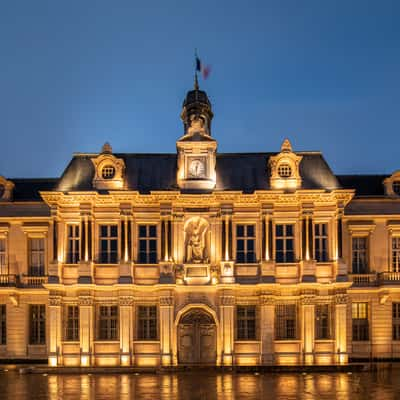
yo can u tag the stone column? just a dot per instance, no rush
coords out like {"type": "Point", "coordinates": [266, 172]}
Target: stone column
{"type": "Point", "coordinates": [341, 328]}
{"type": "Point", "coordinates": [86, 327]}
{"type": "Point", "coordinates": [267, 329]}
{"type": "Point", "coordinates": [55, 330]}
{"type": "Point", "coordinates": [308, 328]}
{"type": "Point", "coordinates": [125, 330]}
{"type": "Point", "coordinates": [166, 327]}
{"type": "Point", "coordinates": [227, 305]}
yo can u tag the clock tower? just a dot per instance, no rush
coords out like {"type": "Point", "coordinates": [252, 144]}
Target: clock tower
{"type": "Point", "coordinates": [196, 148]}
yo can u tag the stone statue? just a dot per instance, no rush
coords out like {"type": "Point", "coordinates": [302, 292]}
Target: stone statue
{"type": "Point", "coordinates": [196, 240]}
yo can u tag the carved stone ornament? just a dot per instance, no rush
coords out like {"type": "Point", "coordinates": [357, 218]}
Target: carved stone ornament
{"type": "Point", "coordinates": [55, 301]}
{"type": "Point", "coordinates": [85, 300]}
{"type": "Point", "coordinates": [228, 300]}
{"type": "Point", "coordinates": [109, 170]}
{"type": "Point", "coordinates": [341, 299]}
{"type": "Point", "coordinates": [126, 301]}
{"type": "Point", "coordinates": [267, 300]}
{"type": "Point", "coordinates": [392, 184]}
{"type": "Point", "coordinates": [284, 168]}
{"type": "Point", "coordinates": [6, 189]}
{"type": "Point", "coordinates": [308, 300]}
{"type": "Point", "coordinates": [196, 241]}
{"type": "Point", "coordinates": [166, 300]}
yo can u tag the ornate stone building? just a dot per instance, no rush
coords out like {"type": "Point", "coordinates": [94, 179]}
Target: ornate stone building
{"type": "Point", "coordinates": [200, 257]}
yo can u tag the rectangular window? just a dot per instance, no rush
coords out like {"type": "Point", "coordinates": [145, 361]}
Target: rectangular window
{"type": "Point", "coordinates": [72, 323]}
{"type": "Point", "coordinates": [147, 323]}
{"type": "Point", "coordinates": [284, 243]}
{"type": "Point", "coordinates": [108, 244]}
{"type": "Point", "coordinates": [107, 323]}
{"type": "Point", "coordinates": [396, 254]}
{"type": "Point", "coordinates": [73, 244]}
{"type": "Point", "coordinates": [37, 324]}
{"type": "Point", "coordinates": [3, 324]}
{"type": "Point", "coordinates": [360, 255]}
{"type": "Point", "coordinates": [285, 321]}
{"type": "Point", "coordinates": [322, 321]}
{"type": "Point", "coordinates": [359, 312]}
{"type": "Point", "coordinates": [396, 321]}
{"type": "Point", "coordinates": [147, 244]}
{"type": "Point", "coordinates": [321, 242]}
{"type": "Point", "coordinates": [3, 257]}
{"type": "Point", "coordinates": [245, 244]}
{"type": "Point", "coordinates": [36, 256]}
{"type": "Point", "coordinates": [246, 322]}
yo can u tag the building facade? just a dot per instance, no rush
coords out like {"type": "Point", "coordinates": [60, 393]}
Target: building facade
{"type": "Point", "coordinates": [200, 257]}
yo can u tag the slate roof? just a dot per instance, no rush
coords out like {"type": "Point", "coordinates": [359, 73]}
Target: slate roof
{"type": "Point", "coordinates": [365, 185]}
{"type": "Point", "coordinates": [237, 171]}
{"type": "Point", "coordinates": [245, 172]}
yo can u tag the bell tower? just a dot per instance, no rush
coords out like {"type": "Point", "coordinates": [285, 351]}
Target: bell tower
{"type": "Point", "coordinates": [196, 148]}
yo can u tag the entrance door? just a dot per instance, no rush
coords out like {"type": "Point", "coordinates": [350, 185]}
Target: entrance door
{"type": "Point", "coordinates": [197, 338]}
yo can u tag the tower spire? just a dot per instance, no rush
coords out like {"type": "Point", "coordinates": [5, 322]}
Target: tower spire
{"type": "Point", "coordinates": [196, 82]}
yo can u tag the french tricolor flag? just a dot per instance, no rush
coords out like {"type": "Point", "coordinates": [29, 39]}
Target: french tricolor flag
{"type": "Point", "coordinates": [203, 69]}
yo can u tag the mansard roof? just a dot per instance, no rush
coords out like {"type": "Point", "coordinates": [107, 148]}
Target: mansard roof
{"type": "Point", "coordinates": [246, 172]}
{"type": "Point", "coordinates": [365, 185]}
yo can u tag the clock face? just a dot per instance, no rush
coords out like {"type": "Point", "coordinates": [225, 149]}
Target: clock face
{"type": "Point", "coordinates": [196, 169]}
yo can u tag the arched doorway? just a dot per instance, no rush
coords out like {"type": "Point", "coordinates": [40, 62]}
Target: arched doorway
{"type": "Point", "coordinates": [197, 338]}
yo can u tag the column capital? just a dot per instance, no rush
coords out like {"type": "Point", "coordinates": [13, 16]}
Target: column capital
{"type": "Point", "coordinates": [126, 300]}
{"type": "Point", "coordinates": [86, 300]}
{"type": "Point", "coordinates": [55, 300]}
{"type": "Point", "coordinates": [341, 298]}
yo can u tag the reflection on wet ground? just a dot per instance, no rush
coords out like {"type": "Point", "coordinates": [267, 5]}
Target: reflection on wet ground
{"type": "Point", "coordinates": [382, 385]}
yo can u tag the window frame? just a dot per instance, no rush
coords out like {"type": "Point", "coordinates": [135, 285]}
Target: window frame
{"type": "Point", "coordinates": [360, 327]}
{"type": "Point", "coordinates": [40, 269]}
{"type": "Point", "coordinates": [111, 332]}
{"type": "Point", "coordinates": [321, 329]}
{"type": "Point", "coordinates": [3, 324]}
{"type": "Point", "coordinates": [284, 238]}
{"type": "Point", "coordinates": [37, 333]}
{"type": "Point", "coordinates": [110, 256]}
{"type": "Point", "coordinates": [396, 321]}
{"type": "Point", "coordinates": [147, 333]}
{"type": "Point", "coordinates": [246, 239]}
{"type": "Point", "coordinates": [148, 253]}
{"type": "Point", "coordinates": [4, 266]}
{"type": "Point", "coordinates": [250, 333]}
{"type": "Point", "coordinates": [318, 240]}
{"type": "Point", "coordinates": [75, 322]}
{"type": "Point", "coordinates": [281, 327]}
{"type": "Point", "coordinates": [73, 256]}
{"type": "Point", "coordinates": [356, 238]}
{"type": "Point", "coordinates": [395, 253]}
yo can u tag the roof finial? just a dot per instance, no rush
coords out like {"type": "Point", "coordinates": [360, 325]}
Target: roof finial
{"type": "Point", "coordinates": [106, 148]}
{"type": "Point", "coordinates": [196, 82]}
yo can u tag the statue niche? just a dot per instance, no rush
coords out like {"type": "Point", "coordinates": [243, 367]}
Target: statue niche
{"type": "Point", "coordinates": [196, 241]}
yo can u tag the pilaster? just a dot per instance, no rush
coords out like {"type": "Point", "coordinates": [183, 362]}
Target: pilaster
{"type": "Point", "coordinates": [86, 326]}
{"type": "Point", "coordinates": [227, 304]}
{"type": "Point", "coordinates": [125, 330]}
{"type": "Point", "coordinates": [55, 330]}
{"type": "Point", "coordinates": [267, 329]}
{"type": "Point", "coordinates": [166, 327]}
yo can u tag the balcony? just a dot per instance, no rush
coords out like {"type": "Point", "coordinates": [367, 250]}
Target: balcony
{"type": "Point", "coordinates": [363, 280]}
{"type": "Point", "coordinates": [33, 281]}
{"type": "Point", "coordinates": [389, 278]}
{"type": "Point", "coordinates": [8, 280]}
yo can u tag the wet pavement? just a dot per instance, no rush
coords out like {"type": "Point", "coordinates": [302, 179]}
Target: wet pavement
{"type": "Point", "coordinates": [383, 384]}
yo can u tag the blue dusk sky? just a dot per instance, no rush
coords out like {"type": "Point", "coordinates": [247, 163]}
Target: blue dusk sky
{"type": "Point", "coordinates": [77, 73]}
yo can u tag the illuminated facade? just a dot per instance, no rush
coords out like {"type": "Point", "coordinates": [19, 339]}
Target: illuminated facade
{"type": "Point", "coordinates": [200, 257]}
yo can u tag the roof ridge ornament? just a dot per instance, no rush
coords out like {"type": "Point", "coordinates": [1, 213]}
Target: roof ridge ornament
{"type": "Point", "coordinates": [106, 149]}
{"type": "Point", "coordinates": [286, 146]}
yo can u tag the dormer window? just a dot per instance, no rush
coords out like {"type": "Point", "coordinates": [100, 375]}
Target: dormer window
{"type": "Point", "coordinates": [108, 172]}
{"type": "Point", "coordinates": [396, 187]}
{"type": "Point", "coordinates": [392, 184]}
{"type": "Point", "coordinates": [284, 170]}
